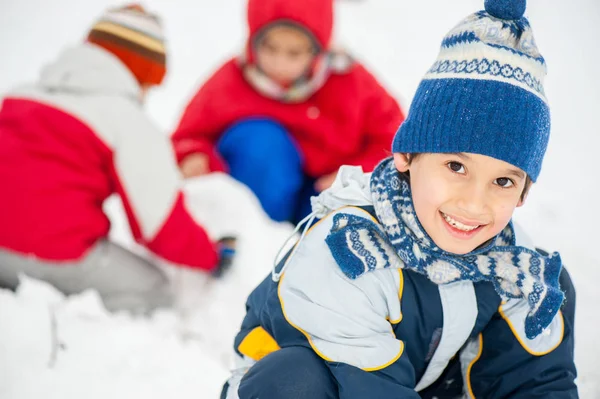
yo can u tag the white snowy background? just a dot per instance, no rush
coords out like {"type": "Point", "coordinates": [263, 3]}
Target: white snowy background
{"type": "Point", "coordinates": [56, 347]}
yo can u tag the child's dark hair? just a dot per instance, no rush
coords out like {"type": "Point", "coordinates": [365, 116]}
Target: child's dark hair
{"type": "Point", "coordinates": [528, 182]}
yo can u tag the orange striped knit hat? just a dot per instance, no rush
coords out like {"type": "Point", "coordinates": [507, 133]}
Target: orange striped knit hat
{"type": "Point", "coordinates": [136, 38]}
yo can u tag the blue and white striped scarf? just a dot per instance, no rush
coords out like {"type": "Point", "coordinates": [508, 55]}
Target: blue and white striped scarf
{"type": "Point", "coordinates": [360, 245]}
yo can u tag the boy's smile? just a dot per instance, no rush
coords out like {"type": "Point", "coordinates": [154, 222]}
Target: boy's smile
{"type": "Point", "coordinates": [461, 228]}
{"type": "Point", "coordinates": [462, 200]}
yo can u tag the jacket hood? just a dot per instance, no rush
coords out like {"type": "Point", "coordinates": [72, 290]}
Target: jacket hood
{"type": "Point", "coordinates": [88, 68]}
{"type": "Point", "coordinates": [316, 16]}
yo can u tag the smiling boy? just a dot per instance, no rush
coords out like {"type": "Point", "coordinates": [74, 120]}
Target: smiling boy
{"type": "Point", "coordinates": [414, 283]}
{"type": "Point", "coordinates": [462, 198]}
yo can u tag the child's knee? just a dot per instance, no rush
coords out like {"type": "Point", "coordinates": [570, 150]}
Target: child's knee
{"type": "Point", "coordinates": [258, 138]}
{"type": "Point", "coordinates": [261, 154]}
{"type": "Point", "coordinates": [289, 373]}
{"type": "Point", "coordinates": [258, 127]}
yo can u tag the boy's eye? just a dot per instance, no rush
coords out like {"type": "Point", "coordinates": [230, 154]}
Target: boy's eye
{"type": "Point", "coordinates": [456, 167]}
{"type": "Point", "coordinates": [504, 182]}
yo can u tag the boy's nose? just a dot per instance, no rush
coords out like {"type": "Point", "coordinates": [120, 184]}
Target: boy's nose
{"type": "Point", "coordinates": [473, 200]}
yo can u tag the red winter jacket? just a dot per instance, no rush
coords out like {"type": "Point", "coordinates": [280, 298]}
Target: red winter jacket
{"type": "Point", "coordinates": [70, 141]}
{"type": "Point", "coordinates": [350, 120]}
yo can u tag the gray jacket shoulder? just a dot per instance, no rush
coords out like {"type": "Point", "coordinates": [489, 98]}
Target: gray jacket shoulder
{"type": "Point", "coordinates": [344, 320]}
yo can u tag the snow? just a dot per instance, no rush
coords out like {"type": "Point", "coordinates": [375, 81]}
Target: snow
{"type": "Point", "coordinates": [187, 350]}
{"type": "Point", "coordinates": [119, 356]}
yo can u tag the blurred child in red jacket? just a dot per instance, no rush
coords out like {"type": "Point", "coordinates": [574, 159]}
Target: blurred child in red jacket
{"type": "Point", "coordinates": [284, 116]}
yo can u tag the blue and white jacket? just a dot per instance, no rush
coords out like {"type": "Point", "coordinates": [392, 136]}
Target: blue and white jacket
{"type": "Point", "coordinates": [391, 333]}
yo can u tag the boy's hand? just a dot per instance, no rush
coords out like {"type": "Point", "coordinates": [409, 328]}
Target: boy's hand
{"type": "Point", "coordinates": [324, 182]}
{"type": "Point", "coordinates": [194, 165]}
{"type": "Point", "coordinates": [226, 247]}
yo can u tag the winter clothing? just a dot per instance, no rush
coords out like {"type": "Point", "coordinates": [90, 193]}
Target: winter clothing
{"type": "Point", "coordinates": [316, 16]}
{"type": "Point", "coordinates": [136, 38]}
{"type": "Point", "coordinates": [71, 140]}
{"type": "Point", "coordinates": [298, 372]}
{"type": "Point", "coordinates": [484, 94]}
{"type": "Point", "coordinates": [371, 334]}
{"type": "Point", "coordinates": [337, 115]}
{"type": "Point", "coordinates": [125, 281]}
{"type": "Point", "coordinates": [359, 246]}
{"type": "Point", "coordinates": [261, 154]}
{"type": "Point", "coordinates": [389, 313]}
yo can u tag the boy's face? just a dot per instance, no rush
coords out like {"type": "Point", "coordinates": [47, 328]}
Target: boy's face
{"type": "Point", "coordinates": [462, 200]}
{"type": "Point", "coordinates": [284, 54]}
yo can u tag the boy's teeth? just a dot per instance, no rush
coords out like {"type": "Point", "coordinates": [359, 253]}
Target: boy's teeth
{"type": "Point", "coordinates": [458, 225]}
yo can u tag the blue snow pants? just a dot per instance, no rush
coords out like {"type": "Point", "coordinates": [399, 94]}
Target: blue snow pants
{"type": "Point", "coordinates": [289, 373]}
{"type": "Point", "coordinates": [261, 154]}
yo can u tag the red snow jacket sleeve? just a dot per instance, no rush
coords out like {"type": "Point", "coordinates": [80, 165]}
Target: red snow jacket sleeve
{"type": "Point", "coordinates": [381, 120]}
{"type": "Point", "coordinates": [149, 184]}
{"type": "Point", "coordinates": [65, 154]}
{"type": "Point", "coordinates": [352, 119]}
{"type": "Point", "coordinates": [194, 133]}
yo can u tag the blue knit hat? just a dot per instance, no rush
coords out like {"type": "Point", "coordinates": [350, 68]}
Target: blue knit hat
{"type": "Point", "coordinates": [484, 94]}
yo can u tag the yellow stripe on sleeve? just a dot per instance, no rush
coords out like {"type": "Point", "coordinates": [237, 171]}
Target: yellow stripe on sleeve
{"type": "Point", "coordinates": [258, 344]}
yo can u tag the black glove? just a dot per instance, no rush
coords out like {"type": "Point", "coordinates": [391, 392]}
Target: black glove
{"type": "Point", "coordinates": [226, 249]}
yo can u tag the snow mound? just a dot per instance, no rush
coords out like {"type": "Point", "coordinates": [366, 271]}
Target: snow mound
{"type": "Point", "coordinates": [73, 347]}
